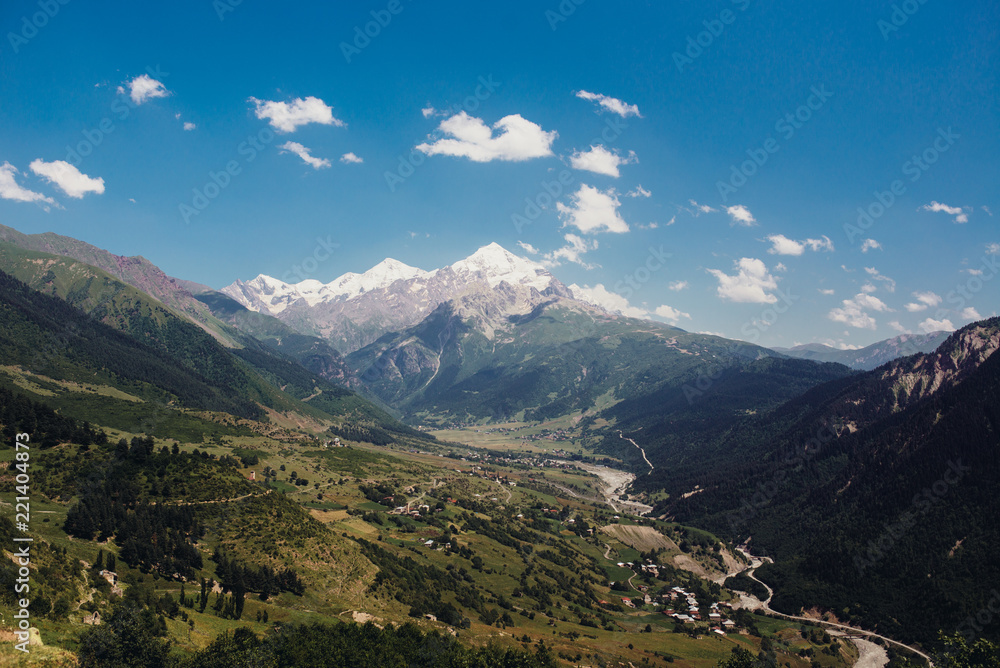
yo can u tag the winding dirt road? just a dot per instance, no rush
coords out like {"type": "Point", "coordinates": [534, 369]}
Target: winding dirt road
{"type": "Point", "coordinates": [869, 657]}
{"type": "Point", "coordinates": [648, 463]}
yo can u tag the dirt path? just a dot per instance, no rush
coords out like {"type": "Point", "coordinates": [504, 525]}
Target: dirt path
{"type": "Point", "coordinates": [510, 495]}
{"type": "Point", "coordinates": [648, 463]}
{"type": "Point", "coordinates": [201, 503]}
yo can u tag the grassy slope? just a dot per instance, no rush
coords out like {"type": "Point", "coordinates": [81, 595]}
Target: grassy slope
{"type": "Point", "coordinates": [253, 374]}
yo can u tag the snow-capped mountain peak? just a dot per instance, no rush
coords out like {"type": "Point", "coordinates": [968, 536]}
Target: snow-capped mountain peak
{"type": "Point", "coordinates": [382, 275]}
{"type": "Point", "coordinates": [497, 265]}
{"type": "Point", "coordinates": [354, 309]}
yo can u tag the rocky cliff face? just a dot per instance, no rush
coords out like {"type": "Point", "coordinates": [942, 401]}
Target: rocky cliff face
{"type": "Point", "coordinates": [905, 382]}
{"type": "Point", "coordinates": [958, 356]}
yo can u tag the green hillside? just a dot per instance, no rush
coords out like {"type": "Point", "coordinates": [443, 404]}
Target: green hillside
{"type": "Point", "coordinates": [559, 359]}
{"type": "Point", "coordinates": [241, 380]}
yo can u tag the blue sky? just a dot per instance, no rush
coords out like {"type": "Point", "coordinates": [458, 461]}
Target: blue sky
{"type": "Point", "coordinates": [464, 118]}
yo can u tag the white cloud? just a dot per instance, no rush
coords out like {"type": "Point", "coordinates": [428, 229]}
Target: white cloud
{"type": "Point", "coordinates": [823, 244]}
{"type": "Point", "coordinates": [639, 192]}
{"type": "Point", "coordinates": [870, 244]}
{"type": "Point", "coordinates": [899, 328]}
{"type": "Point", "coordinates": [468, 137]}
{"type": "Point", "coordinates": [839, 345]}
{"type": "Point", "coordinates": [854, 312]}
{"type": "Point", "coordinates": [528, 247]}
{"type": "Point", "coordinates": [780, 267]}
{"type": "Point", "coordinates": [601, 161]}
{"type": "Point", "coordinates": [428, 111]}
{"type": "Point", "coordinates": [993, 249]}
{"type": "Point", "coordinates": [286, 117]}
{"type": "Point", "coordinates": [741, 215]}
{"type": "Point", "coordinates": [975, 272]}
{"type": "Point", "coordinates": [827, 291]}
{"type": "Point", "coordinates": [10, 189]}
{"type": "Point", "coordinates": [960, 216]}
{"type": "Point", "coordinates": [890, 285]}
{"type": "Point", "coordinates": [924, 301]}
{"type": "Point", "coordinates": [969, 313]}
{"type": "Point", "coordinates": [592, 210]}
{"type": "Point", "coordinates": [351, 159]}
{"type": "Point", "coordinates": [68, 178]}
{"type": "Point", "coordinates": [987, 210]}
{"type": "Point", "coordinates": [143, 88]}
{"type": "Point", "coordinates": [301, 151]}
{"type": "Point", "coordinates": [670, 314]}
{"type": "Point", "coordinates": [189, 125]}
{"type": "Point", "coordinates": [677, 286]}
{"type": "Point", "coordinates": [598, 295]}
{"type": "Point", "coordinates": [612, 104]}
{"type": "Point", "coordinates": [868, 288]}
{"type": "Point", "coordinates": [782, 245]}
{"type": "Point", "coordinates": [931, 325]}
{"type": "Point", "coordinates": [750, 283]}
{"type": "Point", "coordinates": [701, 208]}
{"type": "Point", "coordinates": [573, 252]}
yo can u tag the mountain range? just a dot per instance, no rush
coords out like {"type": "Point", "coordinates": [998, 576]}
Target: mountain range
{"type": "Point", "coordinates": [869, 357]}
{"type": "Point", "coordinates": [792, 450]}
{"type": "Point", "coordinates": [354, 310]}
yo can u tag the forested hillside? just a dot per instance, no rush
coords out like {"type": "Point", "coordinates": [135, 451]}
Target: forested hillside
{"type": "Point", "coordinates": [874, 494]}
